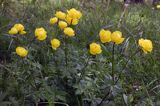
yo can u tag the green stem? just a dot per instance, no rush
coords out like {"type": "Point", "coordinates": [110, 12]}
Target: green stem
{"type": "Point", "coordinates": [66, 53]}
{"type": "Point", "coordinates": [137, 51]}
{"type": "Point", "coordinates": [113, 62]}
{"type": "Point", "coordinates": [83, 69]}
{"type": "Point", "coordinates": [110, 91]}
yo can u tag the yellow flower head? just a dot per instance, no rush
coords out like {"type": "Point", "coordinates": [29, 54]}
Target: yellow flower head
{"type": "Point", "coordinates": [22, 32]}
{"type": "Point", "coordinates": [116, 37]}
{"type": "Point", "coordinates": [146, 45]}
{"type": "Point", "coordinates": [95, 48]}
{"type": "Point", "coordinates": [69, 31]}
{"type": "Point", "coordinates": [105, 36]}
{"type": "Point", "coordinates": [22, 52]}
{"type": "Point", "coordinates": [40, 33]}
{"type": "Point", "coordinates": [68, 20]}
{"type": "Point", "coordinates": [60, 15]}
{"type": "Point", "coordinates": [75, 21]}
{"type": "Point", "coordinates": [13, 31]}
{"type": "Point", "coordinates": [53, 20]}
{"type": "Point", "coordinates": [72, 21]}
{"type": "Point", "coordinates": [74, 14]}
{"type": "Point", "coordinates": [62, 24]}
{"type": "Point", "coordinates": [19, 27]}
{"type": "Point", "coordinates": [158, 6]}
{"type": "Point", "coordinates": [55, 43]}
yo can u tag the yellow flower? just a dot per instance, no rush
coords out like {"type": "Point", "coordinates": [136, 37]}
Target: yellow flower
{"type": "Point", "coordinates": [69, 31]}
{"type": "Point", "coordinates": [158, 6]}
{"type": "Point", "coordinates": [62, 24]}
{"type": "Point", "coordinates": [22, 32]}
{"type": "Point", "coordinates": [146, 45]}
{"type": "Point", "coordinates": [60, 15]}
{"type": "Point", "coordinates": [22, 52]}
{"type": "Point", "coordinates": [55, 43]}
{"type": "Point", "coordinates": [53, 20]}
{"type": "Point", "coordinates": [105, 36]}
{"type": "Point", "coordinates": [68, 19]}
{"type": "Point", "coordinates": [19, 27]}
{"type": "Point", "coordinates": [13, 31]}
{"type": "Point", "coordinates": [116, 37]}
{"type": "Point", "coordinates": [74, 14]}
{"type": "Point", "coordinates": [75, 21]}
{"type": "Point", "coordinates": [72, 21]}
{"type": "Point", "coordinates": [95, 49]}
{"type": "Point", "coordinates": [40, 33]}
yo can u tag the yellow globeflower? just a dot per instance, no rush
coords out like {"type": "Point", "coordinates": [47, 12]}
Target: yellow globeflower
{"type": "Point", "coordinates": [68, 20]}
{"type": "Point", "coordinates": [105, 36]}
{"type": "Point", "coordinates": [53, 20]}
{"type": "Point", "coordinates": [75, 14]}
{"type": "Point", "coordinates": [69, 31]}
{"type": "Point", "coordinates": [60, 15]}
{"type": "Point", "coordinates": [72, 21]}
{"type": "Point", "coordinates": [158, 6]}
{"type": "Point", "coordinates": [75, 21]}
{"type": "Point", "coordinates": [22, 52]}
{"type": "Point", "coordinates": [55, 43]}
{"type": "Point", "coordinates": [19, 27]}
{"type": "Point", "coordinates": [146, 45]}
{"type": "Point", "coordinates": [62, 24]}
{"type": "Point", "coordinates": [95, 49]}
{"type": "Point", "coordinates": [40, 33]}
{"type": "Point", "coordinates": [13, 31]}
{"type": "Point", "coordinates": [22, 32]}
{"type": "Point", "coordinates": [116, 37]}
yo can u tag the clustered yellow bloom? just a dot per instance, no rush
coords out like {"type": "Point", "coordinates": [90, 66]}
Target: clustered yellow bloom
{"type": "Point", "coordinates": [55, 43]}
{"type": "Point", "coordinates": [62, 24]}
{"type": "Point", "coordinates": [60, 15]}
{"type": "Point", "coordinates": [116, 37]}
{"type": "Point", "coordinates": [40, 34]}
{"type": "Point", "coordinates": [69, 31]}
{"type": "Point", "coordinates": [13, 31]}
{"type": "Point", "coordinates": [95, 49]}
{"type": "Point", "coordinates": [73, 16]}
{"type": "Point", "coordinates": [105, 36]}
{"type": "Point", "coordinates": [53, 20]}
{"type": "Point", "coordinates": [17, 28]}
{"type": "Point", "coordinates": [22, 52]}
{"type": "Point", "coordinates": [146, 45]}
{"type": "Point", "coordinates": [158, 6]}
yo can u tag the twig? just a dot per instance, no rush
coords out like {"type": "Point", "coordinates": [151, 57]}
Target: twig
{"type": "Point", "coordinates": [122, 15]}
{"type": "Point", "coordinates": [105, 97]}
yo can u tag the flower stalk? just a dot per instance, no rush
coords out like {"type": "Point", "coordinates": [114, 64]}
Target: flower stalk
{"type": "Point", "coordinates": [113, 51]}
